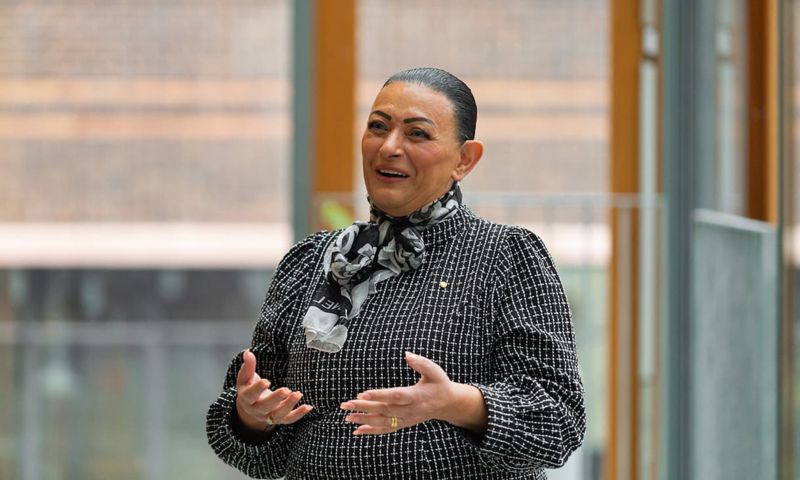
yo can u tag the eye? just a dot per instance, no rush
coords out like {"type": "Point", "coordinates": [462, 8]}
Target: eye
{"type": "Point", "coordinates": [419, 133]}
{"type": "Point", "coordinates": [376, 125]}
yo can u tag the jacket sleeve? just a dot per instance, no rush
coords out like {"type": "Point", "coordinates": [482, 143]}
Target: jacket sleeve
{"type": "Point", "coordinates": [535, 401]}
{"type": "Point", "coordinates": [263, 455]}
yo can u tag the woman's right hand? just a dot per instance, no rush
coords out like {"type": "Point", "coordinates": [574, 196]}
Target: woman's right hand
{"type": "Point", "coordinates": [260, 408]}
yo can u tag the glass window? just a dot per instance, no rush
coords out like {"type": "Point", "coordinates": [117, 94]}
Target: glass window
{"type": "Point", "coordinates": [143, 204]}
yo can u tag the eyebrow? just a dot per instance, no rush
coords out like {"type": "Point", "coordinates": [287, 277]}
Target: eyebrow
{"type": "Point", "coordinates": [418, 119]}
{"type": "Point", "coordinates": [406, 120]}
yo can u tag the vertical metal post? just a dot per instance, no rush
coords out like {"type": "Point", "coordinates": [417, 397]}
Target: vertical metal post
{"type": "Point", "coordinates": [625, 345]}
{"type": "Point", "coordinates": [787, 423]}
{"type": "Point", "coordinates": [156, 431]}
{"type": "Point", "coordinates": [30, 446]}
{"type": "Point", "coordinates": [679, 152]}
{"type": "Point", "coordinates": [302, 115]}
{"type": "Point", "coordinates": [648, 266]}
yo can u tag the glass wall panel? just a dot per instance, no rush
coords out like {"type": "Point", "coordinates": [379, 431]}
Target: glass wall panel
{"type": "Point", "coordinates": [144, 202]}
{"type": "Point", "coordinates": [732, 329]}
{"type": "Point", "coordinates": [734, 336]}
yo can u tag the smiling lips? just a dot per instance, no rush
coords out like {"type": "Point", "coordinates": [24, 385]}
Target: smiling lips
{"type": "Point", "coordinates": [387, 174]}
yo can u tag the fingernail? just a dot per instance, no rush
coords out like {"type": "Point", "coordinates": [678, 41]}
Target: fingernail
{"type": "Point", "coordinates": [346, 406]}
{"type": "Point", "coordinates": [363, 396]}
{"type": "Point", "coordinates": [410, 356]}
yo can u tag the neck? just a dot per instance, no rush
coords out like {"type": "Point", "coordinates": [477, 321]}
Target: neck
{"type": "Point", "coordinates": [423, 214]}
{"type": "Point", "coordinates": [406, 212]}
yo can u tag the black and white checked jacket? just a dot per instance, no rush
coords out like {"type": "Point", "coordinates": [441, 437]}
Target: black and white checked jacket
{"type": "Point", "coordinates": [502, 323]}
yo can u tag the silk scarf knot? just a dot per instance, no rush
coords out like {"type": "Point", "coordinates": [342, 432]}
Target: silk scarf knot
{"type": "Point", "coordinates": [363, 255]}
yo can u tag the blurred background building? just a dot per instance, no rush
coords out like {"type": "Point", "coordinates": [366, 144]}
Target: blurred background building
{"type": "Point", "coordinates": [157, 158]}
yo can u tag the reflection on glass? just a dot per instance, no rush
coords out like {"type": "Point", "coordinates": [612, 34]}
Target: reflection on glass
{"type": "Point", "coordinates": [731, 106]}
{"type": "Point", "coordinates": [144, 159]}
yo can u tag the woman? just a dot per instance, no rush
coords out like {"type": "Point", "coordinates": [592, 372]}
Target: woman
{"type": "Point", "coordinates": [426, 343]}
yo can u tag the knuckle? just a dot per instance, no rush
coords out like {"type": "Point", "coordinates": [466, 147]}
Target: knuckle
{"type": "Point", "coordinates": [251, 413]}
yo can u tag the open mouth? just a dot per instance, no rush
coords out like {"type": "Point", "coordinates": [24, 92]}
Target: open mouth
{"type": "Point", "coordinates": [392, 174]}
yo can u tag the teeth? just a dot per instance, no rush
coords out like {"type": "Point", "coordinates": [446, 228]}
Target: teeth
{"type": "Point", "coordinates": [393, 173]}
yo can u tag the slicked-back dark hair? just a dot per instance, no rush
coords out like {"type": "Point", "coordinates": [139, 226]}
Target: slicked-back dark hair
{"type": "Point", "coordinates": [464, 108]}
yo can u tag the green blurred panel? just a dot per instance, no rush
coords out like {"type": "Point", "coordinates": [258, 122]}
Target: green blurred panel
{"type": "Point", "coordinates": [734, 344]}
{"type": "Point", "coordinates": [127, 400]}
{"type": "Point", "coordinates": [194, 381]}
{"type": "Point", "coordinates": [89, 402]}
{"type": "Point", "coordinates": [10, 401]}
{"type": "Point", "coordinates": [587, 291]}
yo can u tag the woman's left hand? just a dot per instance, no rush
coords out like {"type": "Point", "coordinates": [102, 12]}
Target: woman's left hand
{"type": "Point", "coordinates": [390, 409]}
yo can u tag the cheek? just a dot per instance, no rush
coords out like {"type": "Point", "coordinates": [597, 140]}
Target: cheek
{"type": "Point", "coordinates": [366, 140]}
{"type": "Point", "coordinates": [436, 165]}
{"type": "Point", "coordinates": [364, 144]}
{"type": "Point", "coordinates": [370, 146]}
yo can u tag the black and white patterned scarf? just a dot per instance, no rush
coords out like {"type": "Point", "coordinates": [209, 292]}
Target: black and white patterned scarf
{"type": "Point", "coordinates": [363, 255]}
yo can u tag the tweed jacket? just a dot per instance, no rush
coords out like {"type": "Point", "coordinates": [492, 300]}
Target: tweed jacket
{"type": "Point", "coordinates": [486, 305]}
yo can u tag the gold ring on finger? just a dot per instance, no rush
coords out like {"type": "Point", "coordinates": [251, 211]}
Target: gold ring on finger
{"type": "Point", "coordinates": [394, 421]}
{"type": "Point", "coordinates": [270, 422]}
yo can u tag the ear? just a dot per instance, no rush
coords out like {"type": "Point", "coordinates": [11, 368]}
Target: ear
{"type": "Point", "coordinates": [470, 155]}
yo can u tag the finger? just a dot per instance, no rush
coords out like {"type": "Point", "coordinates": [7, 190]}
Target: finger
{"type": "Point", "coordinates": [266, 403]}
{"type": "Point", "coordinates": [282, 409]}
{"type": "Point", "coordinates": [392, 396]}
{"type": "Point", "coordinates": [297, 413]}
{"type": "Point", "coordinates": [372, 430]}
{"type": "Point", "coordinates": [248, 369]}
{"type": "Point", "coordinates": [365, 406]}
{"type": "Point", "coordinates": [250, 394]}
{"type": "Point", "coordinates": [371, 419]}
{"type": "Point", "coordinates": [425, 367]}
{"type": "Point", "coordinates": [269, 400]}
{"type": "Point", "coordinates": [276, 396]}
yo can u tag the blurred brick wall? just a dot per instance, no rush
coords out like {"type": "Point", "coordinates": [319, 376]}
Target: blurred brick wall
{"type": "Point", "coordinates": [512, 39]}
{"type": "Point", "coordinates": [144, 110]}
{"type": "Point", "coordinates": [539, 72]}
{"type": "Point", "coordinates": [178, 110]}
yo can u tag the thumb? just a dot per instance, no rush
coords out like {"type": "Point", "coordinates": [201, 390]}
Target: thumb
{"type": "Point", "coordinates": [429, 370]}
{"type": "Point", "coordinates": [248, 368]}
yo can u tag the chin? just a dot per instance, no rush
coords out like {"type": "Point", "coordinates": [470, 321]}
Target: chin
{"type": "Point", "coordinates": [387, 204]}
{"type": "Point", "coordinates": [385, 196]}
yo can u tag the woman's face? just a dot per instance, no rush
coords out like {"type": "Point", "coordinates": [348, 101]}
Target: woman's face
{"type": "Point", "coordinates": [410, 151]}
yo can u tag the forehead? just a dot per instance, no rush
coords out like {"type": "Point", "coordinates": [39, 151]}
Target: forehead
{"type": "Point", "coordinates": [413, 100]}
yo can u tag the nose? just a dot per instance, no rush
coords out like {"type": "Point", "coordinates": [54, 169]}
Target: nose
{"type": "Point", "coordinates": [392, 146]}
